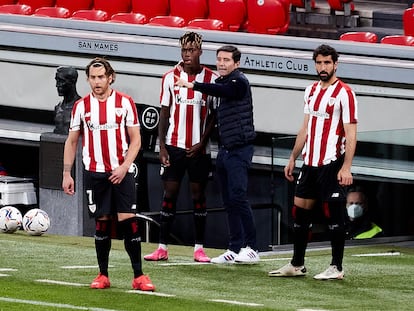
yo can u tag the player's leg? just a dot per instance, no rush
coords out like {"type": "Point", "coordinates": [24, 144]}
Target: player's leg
{"type": "Point", "coordinates": [171, 177]}
{"type": "Point", "coordinates": [304, 201]}
{"type": "Point", "coordinates": [199, 169]}
{"type": "Point", "coordinates": [334, 202]}
{"type": "Point", "coordinates": [98, 195]}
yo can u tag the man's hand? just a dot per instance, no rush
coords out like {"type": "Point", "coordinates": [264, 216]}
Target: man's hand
{"type": "Point", "coordinates": [289, 170]}
{"type": "Point", "coordinates": [345, 177]}
{"type": "Point", "coordinates": [68, 185]}
{"type": "Point", "coordinates": [118, 174]}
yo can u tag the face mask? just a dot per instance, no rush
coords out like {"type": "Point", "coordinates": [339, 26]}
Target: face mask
{"type": "Point", "coordinates": [355, 210]}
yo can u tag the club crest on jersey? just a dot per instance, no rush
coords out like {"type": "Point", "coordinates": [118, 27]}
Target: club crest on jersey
{"type": "Point", "coordinates": [331, 101]}
{"type": "Point", "coordinates": [119, 112]}
{"type": "Point", "coordinates": [92, 208]}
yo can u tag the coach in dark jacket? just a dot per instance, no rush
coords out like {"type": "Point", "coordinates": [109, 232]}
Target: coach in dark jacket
{"type": "Point", "coordinates": [236, 135]}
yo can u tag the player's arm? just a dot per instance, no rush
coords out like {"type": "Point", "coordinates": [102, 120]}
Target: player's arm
{"type": "Point", "coordinates": [297, 148]}
{"type": "Point", "coordinates": [69, 154]}
{"type": "Point", "coordinates": [344, 175]}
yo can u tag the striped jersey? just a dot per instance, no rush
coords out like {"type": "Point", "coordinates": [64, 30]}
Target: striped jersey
{"type": "Point", "coordinates": [104, 129]}
{"type": "Point", "coordinates": [188, 108]}
{"type": "Point", "coordinates": [329, 109]}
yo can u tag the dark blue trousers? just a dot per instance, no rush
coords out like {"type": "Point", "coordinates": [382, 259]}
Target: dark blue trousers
{"type": "Point", "coordinates": [232, 169]}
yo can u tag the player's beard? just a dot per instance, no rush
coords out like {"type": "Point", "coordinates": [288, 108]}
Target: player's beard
{"type": "Point", "coordinates": [326, 77]}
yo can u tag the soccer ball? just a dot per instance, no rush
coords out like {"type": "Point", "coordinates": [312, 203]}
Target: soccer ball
{"type": "Point", "coordinates": [10, 219]}
{"type": "Point", "coordinates": [36, 221]}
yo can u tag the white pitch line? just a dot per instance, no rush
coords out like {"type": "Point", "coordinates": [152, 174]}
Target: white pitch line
{"type": "Point", "coordinates": [60, 282]}
{"type": "Point", "coordinates": [53, 305]}
{"type": "Point", "coordinates": [275, 259]}
{"type": "Point", "coordinates": [234, 302]}
{"type": "Point", "coordinates": [312, 310]}
{"type": "Point", "coordinates": [378, 254]}
{"type": "Point", "coordinates": [83, 267]}
{"type": "Point", "coordinates": [184, 264]}
{"type": "Point", "coordinates": [149, 293]}
{"type": "Point", "coordinates": [7, 269]}
{"type": "Point", "coordinates": [2, 274]}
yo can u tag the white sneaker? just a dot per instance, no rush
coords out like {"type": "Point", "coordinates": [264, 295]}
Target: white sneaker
{"type": "Point", "coordinates": [289, 270]}
{"type": "Point", "coordinates": [247, 256]}
{"type": "Point", "coordinates": [332, 273]}
{"type": "Point", "coordinates": [226, 258]}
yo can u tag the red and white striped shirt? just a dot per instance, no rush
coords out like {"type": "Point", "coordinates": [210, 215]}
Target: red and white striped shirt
{"type": "Point", "coordinates": [188, 108]}
{"type": "Point", "coordinates": [103, 125]}
{"type": "Point", "coordinates": [329, 109]}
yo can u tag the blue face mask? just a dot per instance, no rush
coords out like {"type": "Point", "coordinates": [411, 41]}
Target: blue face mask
{"type": "Point", "coordinates": [355, 210]}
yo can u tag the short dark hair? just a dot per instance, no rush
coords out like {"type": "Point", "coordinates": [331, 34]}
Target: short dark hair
{"type": "Point", "coordinates": [69, 74]}
{"type": "Point", "coordinates": [98, 62]}
{"type": "Point", "coordinates": [325, 50]}
{"type": "Point", "coordinates": [235, 53]}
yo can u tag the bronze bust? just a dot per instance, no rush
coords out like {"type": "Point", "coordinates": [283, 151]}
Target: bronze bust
{"type": "Point", "coordinates": [66, 78]}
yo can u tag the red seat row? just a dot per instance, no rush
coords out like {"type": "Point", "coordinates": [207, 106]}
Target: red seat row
{"type": "Point", "coordinates": [256, 16]}
{"type": "Point", "coordinates": [369, 37]}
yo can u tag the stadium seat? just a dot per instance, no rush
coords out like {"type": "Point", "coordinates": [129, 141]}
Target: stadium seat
{"type": "Point", "coordinates": [3, 2]}
{"type": "Point", "coordinates": [231, 12]}
{"type": "Point", "coordinates": [73, 5]}
{"type": "Point", "coordinates": [189, 9]}
{"type": "Point", "coordinates": [359, 36]}
{"type": "Point", "coordinates": [206, 23]}
{"type": "Point", "coordinates": [52, 12]}
{"type": "Point", "coordinates": [308, 5]}
{"type": "Point", "coordinates": [347, 6]}
{"type": "Point", "coordinates": [112, 6]}
{"type": "Point", "coordinates": [151, 8]}
{"type": "Point", "coordinates": [267, 17]}
{"type": "Point", "coordinates": [91, 15]}
{"type": "Point", "coordinates": [168, 21]}
{"type": "Point", "coordinates": [20, 9]}
{"type": "Point", "coordinates": [129, 18]}
{"type": "Point", "coordinates": [398, 40]}
{"type": "Point", "coordinates": [35, 4]}
{"type": "Point", "coordinates": [408, 21]}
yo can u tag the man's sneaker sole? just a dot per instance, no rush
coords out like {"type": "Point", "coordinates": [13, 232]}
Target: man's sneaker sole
{"type": "Point", "coordinates": [295, 272]}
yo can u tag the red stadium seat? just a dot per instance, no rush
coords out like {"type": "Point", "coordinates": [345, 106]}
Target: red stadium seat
{"type": "Point", "coordinates": [35, 4]}
{"type": "Point", "coordinates": [168, 21]}
{"type": "Point", "coordinates": [267, 17]}
{"type": "Point", "coordinates": [206, 23]}
{"type": "Point", "coordinates": [20, 9]}
{"type": "Point", "coordinates": [112, 6]}
{"type": "Point", "coordinates": [308, 5]}
{"type": "Point", "coordinates": [359, 36]}
{"type": "Point", "coordinates": [231, 12]}
{"type": "Point", "coordinates": [75, 5]}
{"type": "Point", "coordinates": [129, 18]}
{"type": "Point", "coordinates": [3, 2]}
{"type": "Point", "coordinates": [52, 12]}
{"type": "Point", "coordinates": [151, 8]}
{"type": "Point", "coordinates": [189, 9]}
{"type": "Point", "coordinates": [408, 21]}
{"type": "Point", "coordinates": [342, 5]}
{"type": "Point", "coordinates": [398, 40]}
{"type": "Point", "coordinates": [91, 15]}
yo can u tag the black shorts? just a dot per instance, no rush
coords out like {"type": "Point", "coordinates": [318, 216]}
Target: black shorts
{"type": "Point", "coordinates": [198, 168]}
{"type": "Point", "coordinates": [320, 183]}
{"type": "Point", "coordinates": [105, 198]}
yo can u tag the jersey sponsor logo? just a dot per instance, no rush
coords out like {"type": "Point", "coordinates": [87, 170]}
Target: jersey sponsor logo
{"type": "Point", "coordinates": [101, 127]}
{"type": "Point", "coordinates": [190, 102]}
{"type": "Point", "coordinates": [319, 114]}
